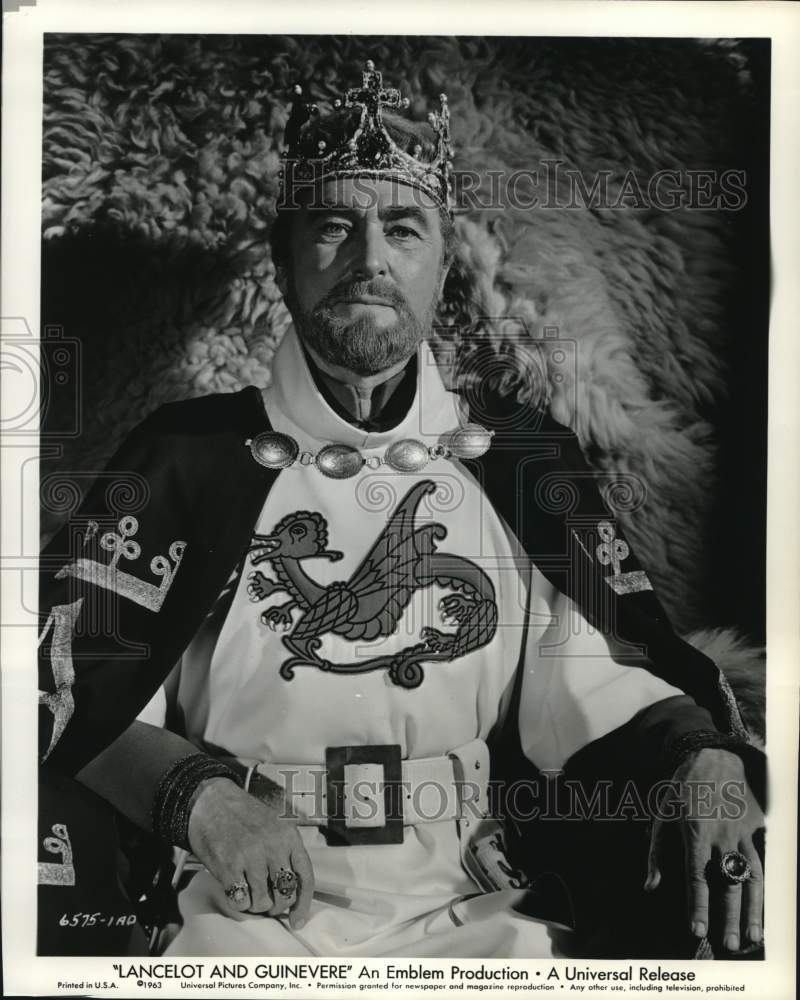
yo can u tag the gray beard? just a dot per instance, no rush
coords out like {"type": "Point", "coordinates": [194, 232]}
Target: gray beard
{"type": "Point", "coordinates": [361, 345]}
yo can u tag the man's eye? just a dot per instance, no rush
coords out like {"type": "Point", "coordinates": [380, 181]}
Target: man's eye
{"type": "Point", "coordinates": [334, 229]}
{"type": "Point", "coordinates": [403, 232]}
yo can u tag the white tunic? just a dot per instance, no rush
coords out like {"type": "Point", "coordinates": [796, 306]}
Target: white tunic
{"type": "Point", "coordinates": [390, 899]}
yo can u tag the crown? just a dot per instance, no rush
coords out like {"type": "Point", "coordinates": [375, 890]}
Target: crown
{"type": "Point", "coordinates": [369, 151]}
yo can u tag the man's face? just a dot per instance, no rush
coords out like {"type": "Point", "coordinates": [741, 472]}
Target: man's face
{"type": "Point", "coordinates": [365, 272]}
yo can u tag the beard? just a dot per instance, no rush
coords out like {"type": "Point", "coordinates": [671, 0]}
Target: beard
{"type": "Point", "coordinates": [360, 345]}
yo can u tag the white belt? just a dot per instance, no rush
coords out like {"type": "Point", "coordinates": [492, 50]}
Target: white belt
{"type": "Point", "coordinates": [432, 789]}
{"type": "Point", "coordinates": [373, 789]}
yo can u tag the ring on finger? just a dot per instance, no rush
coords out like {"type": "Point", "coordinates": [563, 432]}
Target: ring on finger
{"type": "Point", "coordinates": [238, 892]}
{"type": "Point", "coordinates": [284, 883]}
{"type": "Point", "coordinates": [734, 867]}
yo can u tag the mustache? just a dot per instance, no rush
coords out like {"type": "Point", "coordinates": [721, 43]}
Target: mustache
{"type": "Point", "coordinates": [378, 287]}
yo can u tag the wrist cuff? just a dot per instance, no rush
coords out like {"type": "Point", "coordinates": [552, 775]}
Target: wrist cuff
{"type": "Point", "coordinates": [176, 792]}
{"type": "Point", "coordinates": [690, 743]}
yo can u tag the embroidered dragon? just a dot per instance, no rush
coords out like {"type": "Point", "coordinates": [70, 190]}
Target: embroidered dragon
{"type": "Point", "coordinates": [403, 559]}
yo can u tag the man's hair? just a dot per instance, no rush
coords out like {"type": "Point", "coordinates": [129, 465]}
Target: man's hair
{"type": "Point", "coordinates": [334, 130]}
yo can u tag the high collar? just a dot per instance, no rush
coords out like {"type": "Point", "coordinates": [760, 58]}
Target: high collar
{"type": "Point", "coordinates": [378, 405]}
{"type": "Point", "coordinates": [362, 385]}
{"type": "Point", "coordinates": [293, 394]}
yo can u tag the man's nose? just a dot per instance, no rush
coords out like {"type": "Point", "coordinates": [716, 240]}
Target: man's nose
{"type": "Point", "coordinates": [370, 253]}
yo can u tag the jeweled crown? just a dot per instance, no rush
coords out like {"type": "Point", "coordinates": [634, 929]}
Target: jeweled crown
{"type": "Point", "coordinates": [369, 151]}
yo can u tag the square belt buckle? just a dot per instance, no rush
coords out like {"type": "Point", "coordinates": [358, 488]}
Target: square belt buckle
{"type": "Point", "coordinates": [387, 756]}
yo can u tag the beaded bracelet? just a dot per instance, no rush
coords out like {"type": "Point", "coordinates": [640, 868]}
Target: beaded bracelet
{"type": "Point", "coordinates": [176, 792]}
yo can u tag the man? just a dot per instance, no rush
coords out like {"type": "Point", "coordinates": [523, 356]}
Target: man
{"type": "Point", "coordinates": [361, 607]}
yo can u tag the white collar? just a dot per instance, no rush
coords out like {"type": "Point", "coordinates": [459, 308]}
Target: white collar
{"type": "Point", "coordinates": [294, 394]}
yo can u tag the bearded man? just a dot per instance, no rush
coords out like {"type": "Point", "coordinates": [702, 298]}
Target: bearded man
{"type": "Point", "coordinates": [373, 611]}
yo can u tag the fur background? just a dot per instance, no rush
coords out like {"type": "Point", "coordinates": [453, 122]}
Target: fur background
{"type": "Point", "coordinates": [159, 174]}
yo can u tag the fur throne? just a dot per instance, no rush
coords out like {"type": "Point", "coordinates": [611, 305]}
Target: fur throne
{"type": "Point", "coordinates": [159, 171]}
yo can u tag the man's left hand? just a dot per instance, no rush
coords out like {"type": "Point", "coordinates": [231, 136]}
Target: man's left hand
{"type": "Point", "coordinates": [718, 813]}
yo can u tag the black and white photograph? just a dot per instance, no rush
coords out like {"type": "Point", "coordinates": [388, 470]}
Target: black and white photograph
{"type": "Point", "coordinates": [399, 462]}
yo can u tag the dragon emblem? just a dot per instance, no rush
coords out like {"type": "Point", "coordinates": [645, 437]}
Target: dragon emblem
{"type": "Point", "coordinates": [403, 559]}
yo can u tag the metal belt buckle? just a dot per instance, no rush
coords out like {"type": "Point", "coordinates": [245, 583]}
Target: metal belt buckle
{"type": "Point", "coordinates": [338, 829]}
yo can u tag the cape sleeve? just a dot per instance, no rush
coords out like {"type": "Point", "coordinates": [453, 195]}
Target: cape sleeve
{"type": "Point", "coordinates": [127, 581]}
{"type": "Point", "coordinates": [537, 478]}
{"type": "Point", "coordinates": [104, 588]}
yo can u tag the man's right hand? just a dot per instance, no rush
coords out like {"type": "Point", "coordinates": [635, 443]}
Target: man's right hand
{"type": "Point", "coordinates": [239, 837]}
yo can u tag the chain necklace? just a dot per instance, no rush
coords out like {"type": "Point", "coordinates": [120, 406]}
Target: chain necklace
{"type": "Point", "coordinates": [341, 461]}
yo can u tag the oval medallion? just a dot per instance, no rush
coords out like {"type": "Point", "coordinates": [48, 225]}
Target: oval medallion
{"type": "Point", "coordinates": [471, 441]}
{"type": "Point", "coordinates": [273, 450]}
{"type": "Point", "coordinates": [407, 456]}
{"type": "Point", "coordinates": [339, 461]}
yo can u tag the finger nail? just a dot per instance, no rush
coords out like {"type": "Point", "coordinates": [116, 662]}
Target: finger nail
{"type": "Point", "coordinates": [732, 942]}
{"type": "Point", "coordinates": [754, 933]}
{"type": "Point", "coordinates": [298, 924]}
{"type": "Point", "coordinates": [699, 928]}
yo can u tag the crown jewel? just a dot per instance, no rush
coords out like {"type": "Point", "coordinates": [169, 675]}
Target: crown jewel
{"type": "Point", "coordinates": [369, 150]}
